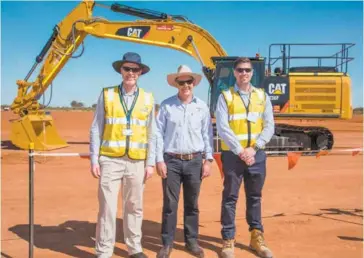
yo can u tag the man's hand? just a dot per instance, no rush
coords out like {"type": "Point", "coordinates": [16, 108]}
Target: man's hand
{"type": "Point", "coordinates": [95, 171]}
{"type": "Point", "coordinates": [248, 156]}
{"type": "Point", "coordinates": [149, 170]}
{"type": "Point", "coordinates": [242, 155]}
{"type": "Point", "coordinates": [250, 161]}
{"type": "Point", "coordinates": [206, 169]}
{"type": "Point", "coordinates": [249, 152]}
{"type": "Point", "coordinates": [162, 169]}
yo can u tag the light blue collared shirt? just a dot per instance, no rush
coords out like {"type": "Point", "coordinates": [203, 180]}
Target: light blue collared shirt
{"type": "Point", "coordinates": [184, 128]}
{"type": "Point", "coordinates": [97, 129]}
{"type": "Point", "coordinates": [228, 136]}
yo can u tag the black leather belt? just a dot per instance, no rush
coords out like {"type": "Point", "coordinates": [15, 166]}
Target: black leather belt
{"type": "Point", "coordinates": [184, 156]}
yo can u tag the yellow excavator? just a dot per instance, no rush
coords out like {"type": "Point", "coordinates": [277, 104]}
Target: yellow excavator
{"type": "Point", "coordinates": [296, 92]}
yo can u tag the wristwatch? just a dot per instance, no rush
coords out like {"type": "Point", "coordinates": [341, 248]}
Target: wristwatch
{"type": "Point", "coordinates": [256, 148]}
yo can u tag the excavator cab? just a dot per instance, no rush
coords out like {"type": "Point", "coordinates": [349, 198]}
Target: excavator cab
{"type": "Point", "coordinates": [224, 76]}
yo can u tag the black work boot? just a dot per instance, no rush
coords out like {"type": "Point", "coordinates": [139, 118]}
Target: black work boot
{"type": "Point", "coordinates": [195, 250]}
{"type": "Point", "coordinates": [164, 252]}
{"type": "Point", "coordinates": [138, 255]}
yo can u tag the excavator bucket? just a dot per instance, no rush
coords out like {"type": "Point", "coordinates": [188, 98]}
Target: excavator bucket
{"type": "Point", "coordinates": [38, 129]}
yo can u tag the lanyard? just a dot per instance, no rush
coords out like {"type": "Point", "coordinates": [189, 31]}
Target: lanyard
{"type": "Point", "coordinates": [123, 103]}
{"type": "Point", "coordinates": [246, 106]}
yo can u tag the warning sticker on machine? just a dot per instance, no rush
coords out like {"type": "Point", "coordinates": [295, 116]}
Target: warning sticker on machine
{"type": "Point", "coordinates": [165, 27]}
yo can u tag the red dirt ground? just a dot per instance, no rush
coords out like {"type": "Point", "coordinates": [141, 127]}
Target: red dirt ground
{"type": "Point", "coordinates": [313, 210]}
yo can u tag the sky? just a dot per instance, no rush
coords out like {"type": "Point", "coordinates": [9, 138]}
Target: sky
{"type": "Point", "coordinates": [241, 28]}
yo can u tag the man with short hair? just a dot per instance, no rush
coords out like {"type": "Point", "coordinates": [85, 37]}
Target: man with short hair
{"type": "Point", "coordinates": [122, 147]}
{"type": "Point", "coordinates": [184, 156]}
{"type": "Point", "coordinates": [245, 123]}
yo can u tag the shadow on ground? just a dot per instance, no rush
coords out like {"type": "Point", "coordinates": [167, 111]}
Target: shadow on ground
{"type": "Point", "coordinates": [66, 237]}
{"type": "Point", "coordinates": [8, 145]}
{"type": "Point", "coordinates": [335, 211]}
{"type": "Point", "coordinates": [351, 238]}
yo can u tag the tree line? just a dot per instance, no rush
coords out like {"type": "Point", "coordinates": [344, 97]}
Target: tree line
{"type": "Point", "coordinates": [79, 105]}
{"type": "Point", "coordinates": [74, 105]}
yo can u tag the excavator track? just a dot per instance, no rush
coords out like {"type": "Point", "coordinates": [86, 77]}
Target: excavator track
{"type": "Point", "coordinates": [290, 138]}
{"type": "Point", "coordinates": [307, 139]}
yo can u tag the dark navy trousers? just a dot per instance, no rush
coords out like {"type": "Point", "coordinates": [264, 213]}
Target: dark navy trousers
{"type": "Point", "coordinates": [188, 174]}
{"type": "Point", "coordinates": [235, 171]}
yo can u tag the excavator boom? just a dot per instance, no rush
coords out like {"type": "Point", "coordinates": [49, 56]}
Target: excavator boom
{"type": "Point", "coordinates": [158, 29]}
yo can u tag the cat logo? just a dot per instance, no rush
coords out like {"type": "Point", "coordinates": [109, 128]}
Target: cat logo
{"type": "Point", "coordinates": [134, 33]}
{"type": "Point", "coordinates": [277, 89]}
{"type": "Point", "coordinates": [139, 32]}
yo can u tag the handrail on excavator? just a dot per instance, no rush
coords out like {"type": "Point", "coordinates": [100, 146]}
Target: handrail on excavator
{"type": "Point", "coordinates": [341, 57]}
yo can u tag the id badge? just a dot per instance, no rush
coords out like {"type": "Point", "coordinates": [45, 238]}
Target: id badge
{"type": "Point", "coordinates": [127, 132]}
{"type": "Point", "coordinates": [252, 117]}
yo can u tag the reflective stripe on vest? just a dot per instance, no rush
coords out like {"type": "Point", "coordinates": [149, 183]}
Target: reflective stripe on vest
{"type": "Point", "coordinates": [242, 116]}
{"type": "Point", "coordinates": [120, 144]}
{"type": "Point", "coordinates": [237, 115]}
{"type": "Point", "coordinates": [116, 142]}
{"type": "Point", "coordinates": [245, 136]}
{"type": "Point", "coordinates": [133, 121]}
{"type": "Point", "coordinates": [110, 94]}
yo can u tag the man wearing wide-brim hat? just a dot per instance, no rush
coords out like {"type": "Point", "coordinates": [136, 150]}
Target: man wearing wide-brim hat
{"type": "Point", "coordinates": [122, 148]}
{"type": "Point", "coordinates": [184, 156]}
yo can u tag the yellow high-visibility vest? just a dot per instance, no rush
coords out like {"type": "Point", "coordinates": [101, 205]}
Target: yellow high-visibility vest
{"type": "Point", "coordinates": [246, 131]}
{"type": "Point", "coordinates": [123, 136]}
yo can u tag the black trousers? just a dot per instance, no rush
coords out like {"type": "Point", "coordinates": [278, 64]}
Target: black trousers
{"type": "Point", "coordinates": [188, 173]}
{"type": "Point", "coordinates": [235, 170]}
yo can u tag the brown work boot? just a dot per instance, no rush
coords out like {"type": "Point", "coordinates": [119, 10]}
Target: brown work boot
{"type": "Point", "coordinates": [257, 244]}
{"type": "Point", "coordinates": [228, 248]}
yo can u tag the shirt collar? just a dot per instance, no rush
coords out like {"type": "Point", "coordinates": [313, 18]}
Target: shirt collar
{"type": "Point", "coordinates": [128, 94]}
{"type": "Point", "coordinates": [194, 99]}
{"type": "Point", "coordinates": [236, 88]}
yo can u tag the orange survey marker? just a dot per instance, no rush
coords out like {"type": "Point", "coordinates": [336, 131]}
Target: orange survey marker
{"type": "Point", "coordinates": [217, 157]}
{"type": "Point", "coordinates": [354, 153]}
{"type": "Point", "coordinates": [293, 159]}
{"type": "Point", "coordinates": [322, 153]}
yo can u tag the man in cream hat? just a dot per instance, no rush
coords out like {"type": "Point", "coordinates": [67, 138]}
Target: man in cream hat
{"type": "Point", "coordinates": [184, 155]}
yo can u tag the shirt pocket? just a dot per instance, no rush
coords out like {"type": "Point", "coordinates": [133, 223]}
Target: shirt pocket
{"type": "Point", "coordinates": [173, 120]}
{"type": "Point", "coordinates": [195, 120]}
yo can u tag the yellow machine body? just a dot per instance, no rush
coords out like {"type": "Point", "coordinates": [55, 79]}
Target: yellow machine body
{"type": "Point", "coordinates": [322, 95]}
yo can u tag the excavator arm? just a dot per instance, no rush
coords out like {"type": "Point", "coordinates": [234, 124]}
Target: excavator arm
{"type": "Point", "coordinates": [63, 42]}
{"type": "Point", "coordinates": [157, 29]}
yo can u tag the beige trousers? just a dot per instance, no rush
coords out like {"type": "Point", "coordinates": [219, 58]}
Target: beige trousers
{"type": "Point", "coordinates": [130, 175]}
